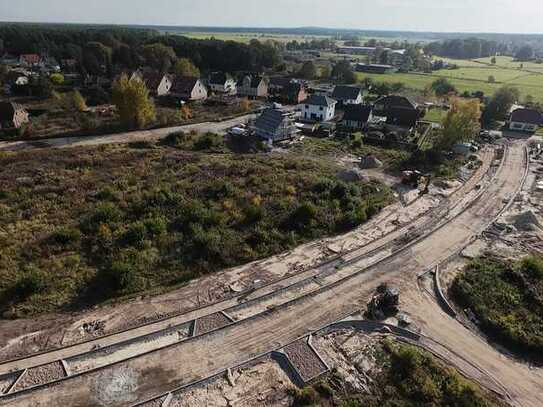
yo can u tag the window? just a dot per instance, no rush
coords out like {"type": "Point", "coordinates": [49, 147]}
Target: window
{"type": "Point", "coordinates": [307, 106]}
{"type": "Point", "coordinates": [320, 108]}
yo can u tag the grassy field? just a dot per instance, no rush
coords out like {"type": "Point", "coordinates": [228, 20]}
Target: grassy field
{"type": "Point", "coordinates": [247, 37]}
{"type": "Point", "coordinates": [506, 299]}
{"type": "Point", "coordinates": [93, 224]}
{"type": "Point", "coordinates": [470, 78]}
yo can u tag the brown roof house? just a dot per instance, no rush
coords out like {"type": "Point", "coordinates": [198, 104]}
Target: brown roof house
{"type": "Point", "coordinates": [12, 116]}
{"type": "Point", "coordinates": [294, 93]}
{"type": "Point", "coordinates": [253, 86]}
{"type": "Point", "coordinates": [188, 89]}
{"type": "Point", "coordinates": [527, 120]}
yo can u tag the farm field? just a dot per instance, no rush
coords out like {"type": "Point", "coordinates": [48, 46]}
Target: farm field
{"type": "Point", "coordinates": [247, 37]}
{"type": "Point", "coordinates": [470, 79]}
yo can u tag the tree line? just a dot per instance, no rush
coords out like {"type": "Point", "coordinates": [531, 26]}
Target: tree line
{"type": "Point", "coordinates": [109, 50]}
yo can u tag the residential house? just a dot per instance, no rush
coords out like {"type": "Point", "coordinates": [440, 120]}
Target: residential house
{"type": "Point", "coordinates": [356, 117]}
{"type": "Point", "coordinates": [523, 119]}
{"type": "Point", "coordinates": [223, 83]}
{"type": "Point", "coordinates": [253, 86]}
{"type": "Point", "coordinates": [294, 93]}
{"type": "Point", "coordinates": [347, 95]}
{"type": "Point", "coordinates": [276, 125]}
{"type": "Point", "coordinates": [398, 110]}
{"type": "Point", "coordinates": [12, 116]}
{"type": "Point", "coordinates": [188, 89]}
{"type": "Point", "coordinates": [319, 108]}
{"type": "Point", "coordinates": [158, 84]}
{"type": "Point", "coordinates": [29, 59]}
{"type": "Point", "coordinates": [68, 65]}
{"type": "Point", "coordinates": [278, 84]}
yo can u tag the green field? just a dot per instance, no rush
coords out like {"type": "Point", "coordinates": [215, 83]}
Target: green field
{"type": "Point", "coordinates": [247, 37]}
{"type": "Point", "coordinates": [473, 75]}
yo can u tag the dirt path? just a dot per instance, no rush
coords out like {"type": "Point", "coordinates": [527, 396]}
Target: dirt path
{"type": "Point", "coordinates": [161, 371]}
{"type": "Point", "coordinates": [122, 138]}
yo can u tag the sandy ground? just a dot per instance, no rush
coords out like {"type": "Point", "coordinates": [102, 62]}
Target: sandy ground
{"type": "Point", "coordinates": [122, 138]}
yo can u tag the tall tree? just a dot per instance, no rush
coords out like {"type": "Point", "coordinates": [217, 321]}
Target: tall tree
{"type": "Point", "coordinates": [134, 105]}
{"type": "Point", "coordinates": [461, 123]}
{"type": "Point", "coordinates": [500, 103]}
{"type": "Point", "coordinates": [159, 56]}
{"type": "Point", "coordinates": [185, 67]}
{"type": "Point", "coordinates": [308, 70]}
{"type": "Point", "coordinates": [443, 87]}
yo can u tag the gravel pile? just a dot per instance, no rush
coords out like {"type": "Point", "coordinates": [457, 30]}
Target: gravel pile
{"type": "Point", "coordinates": [6, 381]}
{"type": "Point", "coordinates": [304, 360]}
{"type": "Point", "coordinates": [155, 403]}
{"type": "Point", "coordinates": [210, 323]}
{"type": "Point", "coordinates": [40, 375]}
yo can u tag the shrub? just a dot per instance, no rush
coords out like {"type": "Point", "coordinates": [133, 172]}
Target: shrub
{"type": "Point", "coordinates": [105, 213]}
{"type": "Point", "coordinates": [32, 281]}
{"type": "Point", "coordinates": [208, 141]}
{"type": "Point", "coordinates": [135, 235]}
{"type": "Point", "coordinates": [303, 216]}
{"type": "Point", "coordinates": [65, 236]}
{"type": "Point", "coordinates": [176, 139]}
{"type": "Point", "coordinates": [120, 275]}
{"type": "Point", "coordinates": [532, 267]}
{"type": "Point", "coordinates": [306, 397]}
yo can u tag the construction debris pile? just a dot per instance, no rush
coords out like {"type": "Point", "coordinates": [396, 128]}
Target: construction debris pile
{"type": "Point", "coordinates": [384, 303]}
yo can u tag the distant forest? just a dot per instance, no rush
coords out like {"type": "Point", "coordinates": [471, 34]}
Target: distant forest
{"type": "Point", "coordinates": [106, 50]}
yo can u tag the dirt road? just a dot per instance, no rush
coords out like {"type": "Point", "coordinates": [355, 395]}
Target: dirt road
{"type": "Point", "coordinates": [122, 138]}
{"type": "Point", "coordinates": [160, 371]}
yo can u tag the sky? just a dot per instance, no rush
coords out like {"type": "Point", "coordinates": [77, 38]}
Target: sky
{"type": "Point", "coordinates": [522, 16]}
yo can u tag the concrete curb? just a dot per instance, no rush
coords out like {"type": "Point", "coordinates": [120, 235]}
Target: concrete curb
{"type": "Point", "coordinates": [442, 299]}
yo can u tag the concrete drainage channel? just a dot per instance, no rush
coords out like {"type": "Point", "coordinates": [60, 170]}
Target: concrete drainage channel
{"type": "Point", "coordinates": [99, 358]}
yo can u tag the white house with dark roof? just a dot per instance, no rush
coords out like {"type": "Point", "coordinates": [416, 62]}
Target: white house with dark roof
{"type": "Point", "coordinates": [348, 95]}
{"type": "Point", "coordinates": [523, 119]}
{"type": "Point", "coordinates": [221, 82]}
{"type": "Point", "coordinates": [319, 108]}
{"type": "Point", "coordinates": [276, 125]}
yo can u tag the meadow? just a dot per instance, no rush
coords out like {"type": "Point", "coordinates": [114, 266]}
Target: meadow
{"type": "Point", "coordinates": [473, 75]}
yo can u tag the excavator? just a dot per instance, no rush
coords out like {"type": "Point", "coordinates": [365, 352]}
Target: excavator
{"type": "Point", "coordinates": [415, 179]}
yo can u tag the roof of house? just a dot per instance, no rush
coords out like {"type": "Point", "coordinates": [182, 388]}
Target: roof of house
{"type": "Point", "coordinates": [357, 113]}
{"type": "Point", "coordinates": [219, 78]}
{"type": "Point", "coordinates": [184, 84]}
{"type": "Point", "coordinates": [271, 119]}
{"type": "Point", "coordinates": [401, 116]}
{"type": "Point", "coordinates": [280, 81]}
{"type": "Point", "coordinates": [31, 58]}
{"type": "Point", "coordinates": [526, 116]}
{"type": "Point", "coordinates": [343, 92]}
{"type": "Point", "coordinates": [152, 79]}
{"type": "Point", "coordinates": [392, 101]}
{"type": "Point", "coordinates": [320, 101]}
{"type": "Point", "coordinates": [255, 80]}
{"type": "Point", "coordinates": [8, 110]}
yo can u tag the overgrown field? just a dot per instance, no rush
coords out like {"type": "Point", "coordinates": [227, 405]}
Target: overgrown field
{"type": "Point", "coordinates": [507, 301]}
{"type": "Point", "coordinates": [406, 376]}
{"type": "Point", "coordinates": [473, 75]}
{"type": "Point", "coordinates": [79, 226]}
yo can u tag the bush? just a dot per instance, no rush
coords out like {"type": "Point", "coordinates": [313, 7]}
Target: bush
{"type": "Point", "coordinates": [32, 281]}
{"type": "Point", "coordinates": [532, 267]}
{"type": "Point", "coordinates": [65, 236]}
{"type": "Point", "coordinates": [176, 139]}
{"type": "Point", "coordinates": [208, 141]}
{"type": "Point", "coordinates": [135, 235]}
{"type": "Point", "coordinates": [306, 397]}
{"type": "Point", "coordinates": [120, 276]}
{"type": "Point", "coordinates": [106, 213]}
{"type": "Point", "coordinates": [303, 216]}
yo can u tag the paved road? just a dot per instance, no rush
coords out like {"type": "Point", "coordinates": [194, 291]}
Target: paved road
{"type": "Point", "coordinates": [121, 138]}
{"type": "Point", "coordinates": [158, 372]}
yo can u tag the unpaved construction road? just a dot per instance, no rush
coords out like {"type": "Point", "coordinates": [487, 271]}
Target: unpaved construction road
{"type": "Point", "coordinates": [160, 371]}
{"type": "Point", "coordinates": [122, 138]}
